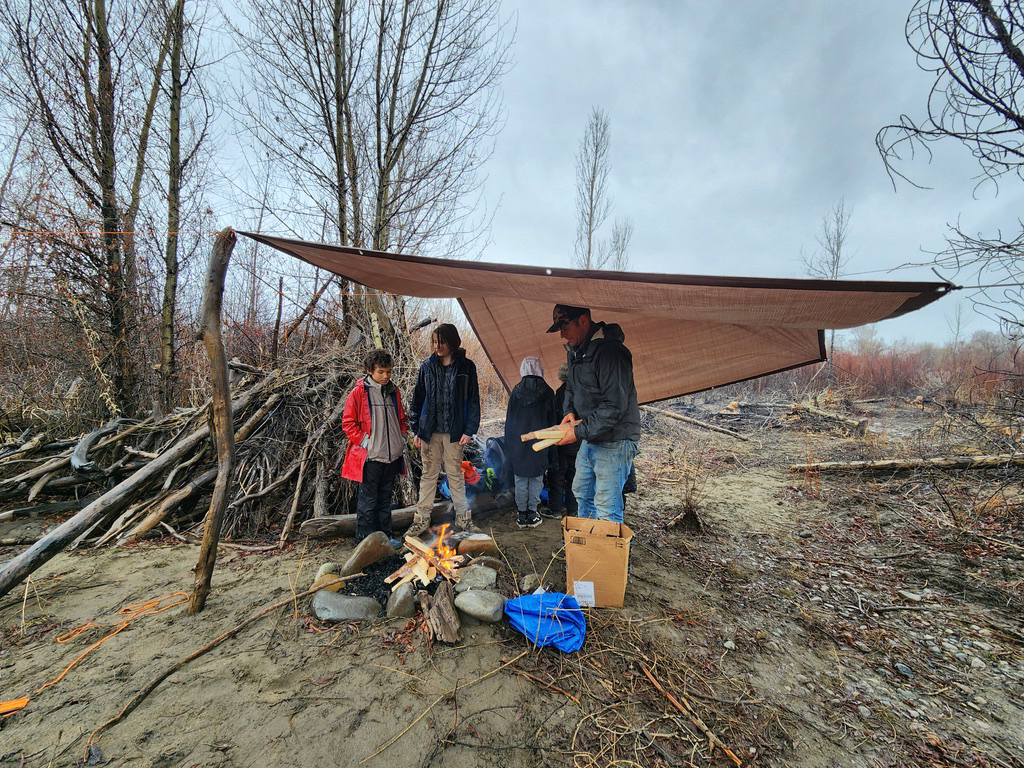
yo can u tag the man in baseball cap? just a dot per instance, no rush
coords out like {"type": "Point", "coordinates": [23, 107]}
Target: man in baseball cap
{"type": "Point", "coordinates": [564, 314]}
{"type": "Point", "coordinates": [600, 409]}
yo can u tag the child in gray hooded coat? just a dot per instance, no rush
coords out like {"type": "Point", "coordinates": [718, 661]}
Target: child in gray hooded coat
{"type": "Point", "coordinates": [531, 406]}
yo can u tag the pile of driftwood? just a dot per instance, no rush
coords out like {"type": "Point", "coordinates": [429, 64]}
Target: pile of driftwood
{"type": "Point", "coordinates": [131, 479]}
{"type": "Point", "coordinates": [151, 473]}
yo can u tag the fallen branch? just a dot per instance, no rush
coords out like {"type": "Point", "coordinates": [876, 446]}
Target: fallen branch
{"type": "Point", "coordinates": [337, 526]}
{"type": "Point", "coordinates": [696, 422]}
{"type": "Point", "coordinates": [544, 683]}
{"type": "Point", "coordinates": [858, 426]}
{"type": "Point", "coordinates": [949, 462]}
{"type": "Point", "coordinates": [44, 509]}
{"type": "Point", "coordinates": [688, 711]}
{"type": "Point", "coordinates": [111, 502]}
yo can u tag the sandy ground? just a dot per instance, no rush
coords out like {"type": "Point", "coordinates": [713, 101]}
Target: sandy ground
{"type": "Point", "coordinates": [815, 621]}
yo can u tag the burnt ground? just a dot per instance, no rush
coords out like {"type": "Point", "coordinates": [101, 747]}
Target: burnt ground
{"type": "Point", "coordinates": [816, 619]}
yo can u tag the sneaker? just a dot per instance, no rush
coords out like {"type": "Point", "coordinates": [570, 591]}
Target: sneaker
{"type": "Point", "coordinates": [550, 513]}
{"type": "Point", "coordinates": [528, 519]}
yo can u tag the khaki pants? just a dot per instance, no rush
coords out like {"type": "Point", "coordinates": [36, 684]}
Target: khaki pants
{"type": "Point", "coordinates": [441, 448]}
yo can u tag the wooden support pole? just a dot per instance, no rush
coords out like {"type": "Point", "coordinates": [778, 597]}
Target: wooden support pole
{"type": "Point", "coordinates": [223, 427]}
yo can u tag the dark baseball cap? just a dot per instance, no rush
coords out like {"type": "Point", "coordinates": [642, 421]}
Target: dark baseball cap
{"type": "Point", "coordinates": [563, 314]}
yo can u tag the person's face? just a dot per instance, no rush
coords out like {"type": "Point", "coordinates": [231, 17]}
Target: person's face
{"type": "Point", "coordinates": [381, 375]}
{"type": "Point", "coordinates": [574, 331]}
{"type": "Point", "coordinates": [440, 346]}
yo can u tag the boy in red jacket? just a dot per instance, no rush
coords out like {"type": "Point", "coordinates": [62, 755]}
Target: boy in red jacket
{"type": "Point", "coordinates": [375, 425]}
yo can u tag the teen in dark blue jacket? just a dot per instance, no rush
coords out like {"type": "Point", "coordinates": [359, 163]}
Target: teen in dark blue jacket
{"type": "Point", "coordinates": [444, 415]}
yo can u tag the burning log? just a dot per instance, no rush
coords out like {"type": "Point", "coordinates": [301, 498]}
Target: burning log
{"type": "Point", "coordinates": [425, 563]}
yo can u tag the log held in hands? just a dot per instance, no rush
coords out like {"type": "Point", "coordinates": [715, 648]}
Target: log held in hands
{"type": "Point", "coordinates": [546, 437]}
{"type": "Point", "coordinates": [223, 429]}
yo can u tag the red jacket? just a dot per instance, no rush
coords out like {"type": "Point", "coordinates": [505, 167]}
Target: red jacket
{"type": "Point", "coordinates": [357, 423]}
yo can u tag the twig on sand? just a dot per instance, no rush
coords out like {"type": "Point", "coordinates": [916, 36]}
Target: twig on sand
{"type": "Point", "coordinates": [141, 695]}
{"type": "Point", "coordinates": [444, 695]}
{"type": "Point", "coordinates": [544, 683]}
{"type": "Point", "coordinates": [686, 710]}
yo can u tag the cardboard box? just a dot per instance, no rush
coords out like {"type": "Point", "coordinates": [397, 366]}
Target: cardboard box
{"type": "Point", "coordinates": [596, 561]}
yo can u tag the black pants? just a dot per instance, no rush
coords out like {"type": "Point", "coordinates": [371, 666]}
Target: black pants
{"type": "Point", "coordinates": [373, 507]}
{"type": "Point", "coordinates": [560, 479]}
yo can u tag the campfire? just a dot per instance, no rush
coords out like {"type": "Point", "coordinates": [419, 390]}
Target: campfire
{"type": "Point", "coordinates": [424, 563]}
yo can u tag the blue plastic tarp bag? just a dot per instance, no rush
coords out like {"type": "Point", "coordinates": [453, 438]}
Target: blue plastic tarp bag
{"type": "Point", "coordinates": [550, 618]}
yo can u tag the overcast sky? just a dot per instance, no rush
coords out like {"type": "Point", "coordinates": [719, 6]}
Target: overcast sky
{"type": "Point", "coordinates": [736, 127]}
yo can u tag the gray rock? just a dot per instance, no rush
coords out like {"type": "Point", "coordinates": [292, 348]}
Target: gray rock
{"type": "Point", "coordinates": [977, 663]}
{"type": "Point", "coordinates": [481, 604]}
{"type": "Point", "coordinates": [805, 534]}
{"type": "Point", "coordinates": [402, 603]}
{"type": "Point", "coordinates": [330, 606]}
{"type": "Point", "coordinates": [911, 596]}
{"type": "Point", "coordinates": [864, 711]}
{"type": "Point", "coordinates": [476, 577]}
{"type": "Point", "coordinates": [530, 582]}
{"type": "Point", "coordinates": [903, 669]}
{"type": "Point", "coordinates": [490, 562]}
{"type": "Point", "coordinates": [729, 645]}
{"type": "Point", "coordinates": [370, 550]}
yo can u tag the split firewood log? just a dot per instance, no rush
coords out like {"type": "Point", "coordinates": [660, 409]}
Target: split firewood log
{"type": "Point", "coordinates": [442, 618]}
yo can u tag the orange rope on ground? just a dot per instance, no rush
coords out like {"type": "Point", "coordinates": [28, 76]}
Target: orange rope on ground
{"type": "Point", "coordinates": [131, 613]}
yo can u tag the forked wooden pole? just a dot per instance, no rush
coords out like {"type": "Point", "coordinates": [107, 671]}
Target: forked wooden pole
{"type": "Point", "coordinates": [223, 430]}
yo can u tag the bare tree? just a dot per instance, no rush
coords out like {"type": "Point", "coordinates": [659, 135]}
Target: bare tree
{"type": "Point", "coordinates": [973, 48]}
{"type": "Point", "coordinates": [188, 123]}
{"type": "Point", "coordinates": [380, 114]}
{"type": "Point", "coordinates": [829, 260]}
{"type": "Point", "coordinates": [94, 77]}
{"type": "Point", "coordinates": [593, 203]}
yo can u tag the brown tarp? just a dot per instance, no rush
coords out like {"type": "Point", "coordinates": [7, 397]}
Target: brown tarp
{"type": "Point", "coordinates": [686, 332]}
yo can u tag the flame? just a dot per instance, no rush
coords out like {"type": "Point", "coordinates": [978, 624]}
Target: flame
{"type": "Point", "coordinates": [444, 552]}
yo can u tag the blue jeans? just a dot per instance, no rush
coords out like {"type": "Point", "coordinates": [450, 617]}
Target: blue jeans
{"type": "Point", "coordinates": [601, 471]}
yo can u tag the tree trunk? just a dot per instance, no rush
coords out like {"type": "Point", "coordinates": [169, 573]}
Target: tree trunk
{"type": "Point", "coordinates": [168, 363]}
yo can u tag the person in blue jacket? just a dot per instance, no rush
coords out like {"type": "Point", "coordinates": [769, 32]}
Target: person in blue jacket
{"type": "Point", "coordinates": [444, 415]}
